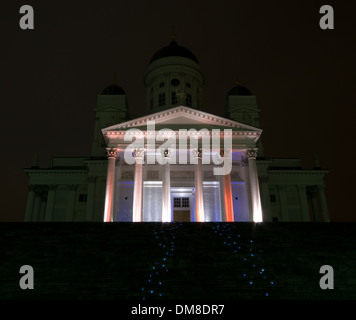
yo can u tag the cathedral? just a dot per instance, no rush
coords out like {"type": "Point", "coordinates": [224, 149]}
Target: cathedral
{"type": "Point", "coordinates": [177, 163]}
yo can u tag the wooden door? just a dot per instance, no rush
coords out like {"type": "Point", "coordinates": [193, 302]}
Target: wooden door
{"type": "Point", "coordinates": [181, 216]}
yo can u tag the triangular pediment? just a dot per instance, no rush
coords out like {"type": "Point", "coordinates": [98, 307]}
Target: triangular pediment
{"type": "Point", "coordinates": [182, 117]}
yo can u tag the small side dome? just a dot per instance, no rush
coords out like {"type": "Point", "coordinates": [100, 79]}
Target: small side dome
{"type": "Point", "coordinates": [239, 91]}
{"type": "Point", "coordinates": [113, 90]}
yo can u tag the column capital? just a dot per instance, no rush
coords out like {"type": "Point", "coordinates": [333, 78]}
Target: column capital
{"type": "Point", "coordinates": [166, 153]}
{"type": "Point", "coordinates": [138, 153]}
{"type": "Point", "coordinates": [198, 153]}
{"type": "Point", "coordinates": [111, 153]}
{"type": "Point", "coordinates": [251, 153]}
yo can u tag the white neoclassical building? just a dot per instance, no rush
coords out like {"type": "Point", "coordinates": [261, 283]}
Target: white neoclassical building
{"type": "Point", "coordinates": [180, 182]}
{"type": "Point", "coordinates": [177, 162]}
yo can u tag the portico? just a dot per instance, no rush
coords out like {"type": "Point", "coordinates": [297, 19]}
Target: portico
{"type": "Point", "coordinates": [184, 183]}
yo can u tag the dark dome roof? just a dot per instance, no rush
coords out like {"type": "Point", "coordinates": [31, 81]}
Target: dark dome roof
{"type": "Point", "coordinates": [239, 91]}
{"type": "Point", "coordinates": [174, 50]}
{"type": "Point", "coordinates": [113, 90]}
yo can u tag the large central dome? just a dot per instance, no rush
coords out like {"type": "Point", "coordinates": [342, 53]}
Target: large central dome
{"type": "Point", "coordinates": [174, 50]}
{"type": "Point", "coordinates": [173, 78]}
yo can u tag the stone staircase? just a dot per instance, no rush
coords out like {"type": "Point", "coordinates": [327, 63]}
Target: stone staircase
{"type": "Point", "coordinates": [177, 261]}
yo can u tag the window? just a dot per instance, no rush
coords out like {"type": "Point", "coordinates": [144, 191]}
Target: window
{"type": "Point", "coordinates": [151, 104]}
{"type": "Point", "coordinates": [161, 100]}
{"type": "Point", "coordinates": [274, 219]}
{"type": "Point", "coordinates": [185, 202]}
{"type": "Point", "coordinates": [161, 84]}
{"type": "Point", "coordinates": [273, 198]}
{"type": "Point", "coordinates": [181, 202]}
{"type": "Point", "coordinates": [174, 98]}
{"type": "Point", "coordinates": [176, 202]}
{"type": "Point", "coordinates": [189, 100]}
{"type": "Point", "coordinates": [188, 84]}
{"type": "Point", "coordinates": [83, 197]}
{"type": "Point", "coordinates": [175, 82]}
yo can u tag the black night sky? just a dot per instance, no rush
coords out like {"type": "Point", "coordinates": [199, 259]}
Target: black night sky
{"type": "Point", "coordinates": [303, 77]}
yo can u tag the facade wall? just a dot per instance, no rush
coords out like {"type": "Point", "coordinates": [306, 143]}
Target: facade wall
{"type": "Point", "coordinates": [99, 199]}
{"type": "Point", "coordinates": [287, 200]}
{"type": "Point", "coordinates": [152, 201]}
{"type": "Point", "coordinates": [240, 201]}
{"type": "Point", "coordinates": [212, 201]}
{"type": "Point", "coordinates": [182, 185]}
{"type": "Point", "coordinates": [123, 201]}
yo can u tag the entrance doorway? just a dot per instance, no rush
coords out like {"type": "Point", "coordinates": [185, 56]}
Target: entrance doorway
{"type": "Point", "coordinates": [181, 207]}
{"type": "Point", "coordinates": [181, 216]}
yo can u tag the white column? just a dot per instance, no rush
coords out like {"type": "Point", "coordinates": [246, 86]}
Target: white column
{"type": "Point", "coordinates": [255, 189]}
{"type": "Point", "coordinates": [29, 204]}
{"type": "Point", "coordinates": [50, 203]}
{"type": "Point", "coordinates": [323, 204]}
{"type": "Point", "coordinates": [110, 180]}
{"type": "Point", "coordinates": [283, 201]}
{"type": "Point", "coordinates": [246, 178]}
{"type": "Point", "coordinates": [138, 183]}
{"type": "Point", "coordinates": [229, 207]}
{"type": "Point", "coordinates": [166, 189]}
{"type": "Point", "coordinates": [222, 198]}
{"type": "Point", "coordinates": [228, 213]}
{"type": "Point", "coordinates": [315, 208]}
{"type": "Point", "coordinates": [70, 203]}
{"type": "Point", "coordinates": [304, 203]}
{"type": "Point", "coordinates": [314, 202]}
{"type": "Point", "coordinates": [199, 199]}
{"type": "Point", "coordinates": [37, 207]}
{"type": "Point", "coordinates": [90, 200]}
{"type": "Point", "coordinates": [43, 206]}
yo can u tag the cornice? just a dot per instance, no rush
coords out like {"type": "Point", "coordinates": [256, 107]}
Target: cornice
{"type": "Point", "coordinates": [172, 113]}
{"type": "Point", "coordinates": [176, 132]}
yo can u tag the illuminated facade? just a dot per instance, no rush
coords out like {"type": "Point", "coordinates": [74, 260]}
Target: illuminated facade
{"type": "Point", "coordinates": [157, 167]}
{"type": "Point", "coordinates": [185, 187]}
